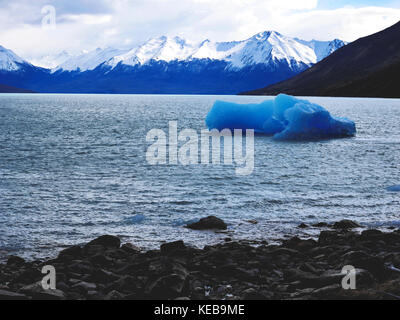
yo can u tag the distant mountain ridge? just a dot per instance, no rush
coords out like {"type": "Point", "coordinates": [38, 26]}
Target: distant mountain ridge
{"type": "Point", "coordinates": [368, 67]}
{"type": "Point", "coordinates": [171, 65]}
{"type": "Point", "coordinates": [8, 89]}
{"type": "Point", "coordinates": [262, 48]}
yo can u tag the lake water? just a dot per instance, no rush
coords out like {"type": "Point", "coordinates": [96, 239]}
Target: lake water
{"type": "Point", "coordinates": [73, 167]}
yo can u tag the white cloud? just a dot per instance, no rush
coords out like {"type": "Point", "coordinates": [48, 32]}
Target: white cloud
{"type": "Point", "coordinates": [88, 24]}
{"type": "Point", "coordinates": [89, 19]}
{"type": "Point", "coordinates": [345, 23]}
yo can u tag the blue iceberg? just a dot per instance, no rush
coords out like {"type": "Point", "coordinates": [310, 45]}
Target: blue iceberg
{"type": "Point", "coordinates": [285, 117]}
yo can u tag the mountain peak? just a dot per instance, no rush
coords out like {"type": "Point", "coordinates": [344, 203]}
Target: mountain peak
{"type": "Point", "coordinates": [266, 34]}
{"type": "Point", "coordinates": [9, 61]}
{"type": "Point", "coordinates": [179, 40]}
{"type": "Point", "coordinates": [88, 61]}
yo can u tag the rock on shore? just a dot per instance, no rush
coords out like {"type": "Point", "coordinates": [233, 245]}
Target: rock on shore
{"type": "Point", "coordinates": [296, 269]}
{"type": "Point", "coordinates": [209, 223]}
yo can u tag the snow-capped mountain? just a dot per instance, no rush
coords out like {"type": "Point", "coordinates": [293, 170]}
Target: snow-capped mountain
{"type": "Point", "coordinates": [263, 48]}
{"type": "Point", "coordinates": [51, 61]}
{"type": "Point", "coordinates": [9, 61]}
{"type": "Point", "coordinates": [88, 60]}
{"type": "Point", "coordinates": [266, 48]}
{"type": "Point", "coordinates": [170, 65]}
{"type": "Point", "coordinates": [157, 49]}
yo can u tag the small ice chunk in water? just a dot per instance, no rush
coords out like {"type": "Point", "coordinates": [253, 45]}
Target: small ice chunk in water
{"type": "Point", "coordinates": [139, 218]}
{"type": "Point", "coordinates": [394, 188]}
{"type": "Point", "coordinates": [285, 117]}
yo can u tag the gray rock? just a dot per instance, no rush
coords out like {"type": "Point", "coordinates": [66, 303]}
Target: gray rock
{"type": "Point", "coordinates": [253, 294]}
{"type": "Point", "coordinates": [209, 223]}
{"type": "Point", "coordinates": [106, 241]}
{"type": "Point", "coordinates": [93, 295]}
{"type": "Point", "coordinates": [92, 250]}
{"type": "Point", "coordinates": [125, 283]}
{"type": "Point", "coordinates": [172, 246]}
{"type": "Point", "coordinates": [80, 267]}
{"type": "Point", "coordinates": [303, 226]}
{"type": "Point", "coordinates": [29, 276]}
{"type": "Point", "coordinates": [252, 221]}
{"type": "Point", "coordinates": [102, 276]}
{"type": "Point", "coordinates": [371, 233]}
{"type": "Point", "coordinates": [73, 252]}
{"type": "Point", "coordinates": [130, 248]}
{"type": "Point", "coordinates": [346, 224]}
{"type": "Point", "coordinates": [114, 295]}
{"type": "Point", "coordinates": [85, 286]}
{"type": "Point", "coordinates": [285, 251]}
{"type": "Point", "coordinates": [375, 265]}
{"type": "Point", "coordinates": [167, 287]}
{"type": "Point", "coordinates": [328, 291]}
{"type": "Point", "coordinates": [328, 238]}
{"type": "Point", "coordinates": [321, 225]}
{"type": "Point", "coordinates": [15, 261]}
{"type": "Point", "coordinates": [37, 292]}
{"type": "Point", "coordinates": [8, 295]}
{"type": "Point", "coordinates": [101, 260]}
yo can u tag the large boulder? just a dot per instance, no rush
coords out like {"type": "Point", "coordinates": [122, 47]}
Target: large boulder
{"type": "Point", "coordinates": [346, 224]}
{"type": "Point", "coordinates": [209, 223]}
{"type": "Point", "coordinates": [172, 246]}
{"type": "Point", "coordinates": [167, 287]}
{"type": "Point", "coordinates": [328, 238]}
{"type": "Point", "coordinates": [130, 248]}
{"type": "Point", "coordinates": [73, 252]}
{"type": "Point", "coordinates": [15, 261]}
{"type": "Point", "coordinates": [106, 241]}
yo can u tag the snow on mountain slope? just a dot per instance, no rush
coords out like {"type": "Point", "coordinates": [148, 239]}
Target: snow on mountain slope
{"type": "Point", "coordinates": [159, 49]}
{"type": "Point", "coordinates": [265, 48]}
{"type": "Point", "coordinates": [88, 61]}
{"type": "Point", "coordinates": [216, 50]}
{"type": "Point", "coordinates": [323, 49]}
{"type": "Point", "coordinates": [51, 61]}
{"type": "Point", "coordinates": [9, 61]}
{"type": "Point", "coordinates": [269, 48]}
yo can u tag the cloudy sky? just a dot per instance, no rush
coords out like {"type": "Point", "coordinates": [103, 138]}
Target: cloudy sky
{"type": "Point", "coordinates": [88, 24]}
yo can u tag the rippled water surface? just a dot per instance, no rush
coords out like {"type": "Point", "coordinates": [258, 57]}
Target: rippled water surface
{"type": "Point", "coordinates": [74, 166]}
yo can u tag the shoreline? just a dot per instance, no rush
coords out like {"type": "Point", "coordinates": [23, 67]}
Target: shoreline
{"type": "Point", "coordinates": [251, 232]}
{"type": "Point", "coordinates": [305, 269]}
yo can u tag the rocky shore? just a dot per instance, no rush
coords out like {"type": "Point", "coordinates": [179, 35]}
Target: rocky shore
{"type": "Point", "coordinates": [296, 269]}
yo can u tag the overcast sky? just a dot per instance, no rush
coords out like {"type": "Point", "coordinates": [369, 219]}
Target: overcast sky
{"type": "Point", "coordinates": [88, 24]}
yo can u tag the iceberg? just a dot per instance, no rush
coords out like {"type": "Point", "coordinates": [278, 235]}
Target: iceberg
{"type": "Point", "coordinates": [285, 117]}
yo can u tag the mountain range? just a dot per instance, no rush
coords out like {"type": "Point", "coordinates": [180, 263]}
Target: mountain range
{"type": "Point", "coordinates": [367, 67]}
{"type": "Point", "coordinates": [169, 65]}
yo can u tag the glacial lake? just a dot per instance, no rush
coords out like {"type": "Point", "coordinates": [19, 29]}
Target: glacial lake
{"type": "Point", "coordinates": [73, 167]}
